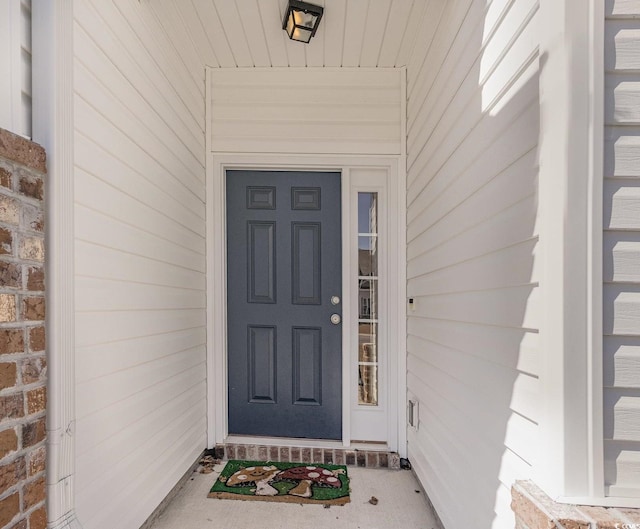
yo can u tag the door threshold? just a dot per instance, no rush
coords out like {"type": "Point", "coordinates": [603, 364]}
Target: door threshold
{"type": "Point", "coordinates": [291, 450]}
{"type": "Point", "coordinates": [311, 443]}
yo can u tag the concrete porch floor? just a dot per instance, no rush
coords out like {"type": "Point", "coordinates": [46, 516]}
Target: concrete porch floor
{"type": "Point", "coordinates": [399, 506]}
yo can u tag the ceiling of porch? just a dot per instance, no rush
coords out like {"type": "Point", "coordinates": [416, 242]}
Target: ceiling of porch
{"type": "Point", "coordinates": [248, 33]}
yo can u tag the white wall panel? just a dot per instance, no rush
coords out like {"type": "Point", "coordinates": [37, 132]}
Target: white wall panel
{"type": "Point", "coordinates": [473, 270]}
{"type": "Point", "coordinates": [621, 361]}
{"type": "Point", "coordinates": [140, 257]}
{"type": "Point", "coordinates": [306, 110]}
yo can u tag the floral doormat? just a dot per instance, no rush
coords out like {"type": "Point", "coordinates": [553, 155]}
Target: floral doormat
{"type": "Point", "coordinates": [287, 482]}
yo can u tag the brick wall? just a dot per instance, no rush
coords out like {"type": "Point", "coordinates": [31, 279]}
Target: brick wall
{"type": "Point", "coordinates": [535, 510]}
{"type": "Point", "coordinates": [22, 334]}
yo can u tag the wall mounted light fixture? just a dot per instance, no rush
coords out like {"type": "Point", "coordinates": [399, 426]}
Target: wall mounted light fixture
{"type": "Point", "coordinates": [301, 20]}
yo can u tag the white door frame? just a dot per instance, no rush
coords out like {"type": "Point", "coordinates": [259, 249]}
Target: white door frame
{"type": "Point", "coordinates": [217, 165]}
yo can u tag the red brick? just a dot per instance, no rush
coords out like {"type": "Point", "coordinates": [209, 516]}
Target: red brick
{"type": "Point", "coordinates": [8, 308]}
{"type": "Point", "coordinates": [6, 178]}
{"type": "Point", "coordinates": [33, 309]}
{"type": "Point", "coordinates": [36, 400]}
{"type": "Point", "coordinates": [31, 248]}
{"type": "Point", "coordinates": [22, 151]}
{"type": "Point", "coordinates": [570, 523]}
{"type": "Point", "coordinates": [604, 518]}
{"type": "Point", "coordinates": [8, 442]}
{"type": "Point", "coordinates": [37, 460]}
{"type": "Point", "coordinates": [33, 370]}
{"type": "Point", "coordinates": [11, 474]}
{"type": "Point", "coordinates": [34, 493]}
{"type": "Point", "coordinates": [32, 217]}
{"type": "Point", "coordinates": [37, 339]}
{"type": "Point", "coordinates": [35, 278]}
{"type": "Point", "coordinates": [10, 275]}
{"type": "Point", "coordinates": [284, 453]}
{"type": "Point", "coordinates": [9, 508]}
{"type": "Point", "coordinates": [537, 511]}
{"type": "Point", "coordinates": [38, 519]}
{"type": "Point", "coordinates": [11, 406]}
{"type": "Point", "coordinates": [32, 186]}
{"type": "Point", "coordinates": [33, 433]}
{"type": "Point", "coordinates": [251, 452]}
{"type": "Point", "coordinates": [632, 514]}
{"type": "Point", "coordinates": [9, 210]}
{"type": "Point", "coordinates": [350, 458]}
{"type": "Point", "coordinates": [11, 341]}
{"type": "Point", "coordinates": [6, 242]}
{"type": "Point", "coordinates": [7, 375]}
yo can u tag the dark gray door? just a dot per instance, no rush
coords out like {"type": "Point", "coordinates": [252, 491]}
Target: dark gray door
{"type": "Point", "coordinates": [284, 265]}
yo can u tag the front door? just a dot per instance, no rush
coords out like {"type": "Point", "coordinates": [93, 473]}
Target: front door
{"type": "Point", "coordinates": [284, 281]}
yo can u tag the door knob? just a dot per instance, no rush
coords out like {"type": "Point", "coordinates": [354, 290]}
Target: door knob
{"type": "Point", "coordinates": [335, 300]}
{"type": "Point", "coordinates": [335, 319]}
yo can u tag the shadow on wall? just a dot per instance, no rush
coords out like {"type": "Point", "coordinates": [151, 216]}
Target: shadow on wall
{"type": "Point", "coordinates": [472, 236]}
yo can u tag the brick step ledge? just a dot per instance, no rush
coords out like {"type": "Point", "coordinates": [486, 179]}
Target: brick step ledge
{"type": "Point", "coordinates": [366, 458]}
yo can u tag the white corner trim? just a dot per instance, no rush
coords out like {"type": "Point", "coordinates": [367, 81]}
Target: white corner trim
{"type": "Point", "coordinates": [402, 272]}
{"type": "Point", "coordinates": [570, 216]}
{"type": "Point", "coordinates": [53, 129]}
{"type": "Point", "coordinates": [595, 236]}
{"type": "Point", "coordinates": [212, 217]}
{"type": "Point", "coordinates": [216, 301]}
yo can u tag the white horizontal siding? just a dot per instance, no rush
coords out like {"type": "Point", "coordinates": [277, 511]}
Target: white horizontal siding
{"type": "Point", "coordinates": [622, 460]}
{"type": "Point", "coordinates": [306, 110]}
{"type": "Point", "coordinates": [622, 8]}
{"type": "Point", "coordinates": [139, 262]}
{"type": "Point", "coordinates": [473, 361]}
{"type": "Point", "coordinates": [621, 361]}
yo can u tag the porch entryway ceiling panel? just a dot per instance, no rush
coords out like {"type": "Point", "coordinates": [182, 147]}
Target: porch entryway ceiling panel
{"type": "Point", "coordinates": [247, 33]}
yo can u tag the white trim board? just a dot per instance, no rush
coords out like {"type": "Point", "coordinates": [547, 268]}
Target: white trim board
{"type": "Point", "coordinates": [571, 458]}
{"type": "Point", "coordinates": [54, 130]}
{"type": "Point", "coordinates": [217, 164]}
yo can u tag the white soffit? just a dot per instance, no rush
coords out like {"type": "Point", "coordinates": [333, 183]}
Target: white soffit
{"type": "Point", "coordinates": [248, 33]}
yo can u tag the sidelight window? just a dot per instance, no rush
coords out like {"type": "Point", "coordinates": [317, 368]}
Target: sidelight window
{"type": "Point", "coordinates": [368, 288]}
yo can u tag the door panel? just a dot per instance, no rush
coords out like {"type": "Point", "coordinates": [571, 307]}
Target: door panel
{"type": "Point", "coordinates": [284, 264]}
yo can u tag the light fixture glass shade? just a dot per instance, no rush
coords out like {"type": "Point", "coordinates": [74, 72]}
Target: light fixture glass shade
{"type": "Point", "coordinates": [301, 20]}
{"type": "Point", "coordinates": [306, 20]}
